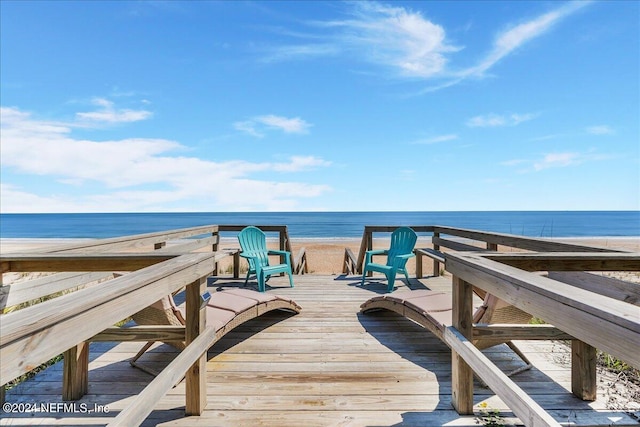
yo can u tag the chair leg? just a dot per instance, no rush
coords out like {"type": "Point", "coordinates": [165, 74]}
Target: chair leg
{"type": "Point", "coordinates": [246, 279]}
{"type": "Point", "coordinates": [406, 275]}
{"type": "Point", "coordinates": [290, 279]}
{"type": "Point", "coordinates": [261, 280]}
{"type": "Point", "coordinates": [364, 275]}
{"type": "Point", "coordinates": [391, 278]}
{"type": "Point", "coordinates": [134, 361]}
{"type": "Point", "coordinates": [525, 359]}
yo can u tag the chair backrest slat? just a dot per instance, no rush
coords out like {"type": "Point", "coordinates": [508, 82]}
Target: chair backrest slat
{"type": "Point", "coordinates": [253, 240]}
{"type": "Point", "coordinates": [403, 240]}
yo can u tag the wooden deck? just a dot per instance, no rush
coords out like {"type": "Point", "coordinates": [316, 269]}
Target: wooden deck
{"type": "Point", "coordinates": [328, 366]}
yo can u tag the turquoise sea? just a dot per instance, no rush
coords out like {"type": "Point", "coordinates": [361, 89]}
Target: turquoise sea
{"type": "Point", "coordinates": [324, 225]}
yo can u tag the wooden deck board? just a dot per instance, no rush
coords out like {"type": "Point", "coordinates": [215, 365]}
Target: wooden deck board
{"type": "Point", "coordinates": [328, 365]}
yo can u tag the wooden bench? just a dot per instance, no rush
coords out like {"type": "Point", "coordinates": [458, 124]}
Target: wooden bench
{"type": "Point", "coordinates": [225, 311]}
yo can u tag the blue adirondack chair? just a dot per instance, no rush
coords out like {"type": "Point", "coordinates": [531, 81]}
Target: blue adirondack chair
{"type": "Point", "coordinates": [403, 240]}
{"type": "Point", "coordinates": [254, 248]}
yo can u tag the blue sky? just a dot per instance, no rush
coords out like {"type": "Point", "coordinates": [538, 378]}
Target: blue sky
{"type": "Point", "coordinates": [310, 106]}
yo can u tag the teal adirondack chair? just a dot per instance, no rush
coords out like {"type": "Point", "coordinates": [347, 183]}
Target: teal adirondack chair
{"type": "Point", "coordinates": [254, 248]}
{"type": "Point", "coordinates": [403, 240]}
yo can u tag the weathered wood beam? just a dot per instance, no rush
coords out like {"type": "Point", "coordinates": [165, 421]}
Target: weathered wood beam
{"type": "Point", "coordinates": [75, 374]}
{"type": "Point", "coordinates": [570, 261]}
{"type": "Point", "coordinates": [78, 316]}
{"type": "Point", "coordinates": [456, 246]}
{"type": "Point", "coordinates": [17, 293]}
{"type": "Point", "coordinates": [141, 333]}
{"type": "Point", "coordinates": [521, 242]}
{"type": "Point", "coordinates": [145, 401]}
{"type": "Point", "coordinates": [461, 372]}
{"type": "Point", "coordinates": [607, 286]}
{"type": "Point", "coordinates": [610, 325]}
{"type": "Point", "coordinates": [80, 262]}
{"type": "Point", "coordinates": [502, 333]}
{"type": "Point", "coordinates": [196, 374]}
{"type": "Point", "coordinates": [523, 406]}
{"type": "Point", "coordinates": [132, 241]}
{"type": "Point", "coordinates": [192, 245]}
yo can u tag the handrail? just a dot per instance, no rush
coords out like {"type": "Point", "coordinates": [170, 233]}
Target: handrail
{"type": "Point", "coordinates": [135, 240]}
{"type": "Point", "coordinates": [519, 242]}
{"type": "Point", "coordinates": [151, 267]}
{"type": "Point", "coordinates": [89, 311]}
{"type": "Point", "coordinates": [594, 319]}
{"type": "Point", "coordinates": [136, 413]}
{"type": "Point", "coordinates": [491, 240]}
{"type": "Point", "coordinates": [349, 263]}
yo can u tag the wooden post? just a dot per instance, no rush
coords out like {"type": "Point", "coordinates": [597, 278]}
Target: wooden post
{"type": "Point", "coordinates": [418, 265]}
{"type": "Point", "coordinates": [583, 370]}
{"type": "Point", "coordinates": [436, 264]}
{"type": "Point", "coordinates": [214, 248]}
{"type": "Point", "coordinates": [461, 373]}
{"type": "Point", "coordinates": [159, 245]}
{"type": "Point", "coordinates": [236, 264]}
{"type": "Point", "coordinates": [282, 234]}
{"type": "Point", "coordinates": [492, 246]}
{"type": "Point", "coordinates": [196, 376]}
{"type": "Point", "coordinates": [369, 238]}
{"type": "Point", "coordinates": [75, 376]}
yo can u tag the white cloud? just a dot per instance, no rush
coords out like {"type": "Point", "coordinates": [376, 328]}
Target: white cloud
{"type": "Point", "coordinates": [557, 160]}
{"type": "Point", "coordinates": [294, 125]}
{"type": "Point", "coordinates": [554, 160]}
{"type": "Point", "coordinates": [436, 139]}
{"type": "Point", "coordinates": [511, 39]}
{"type": "Point", "coordinates": [284, 53]}
{"type": "Point", "coordinates": [108, 114]}
{"type": "Point", "coordinates": [496, 120]}
{"type": "Point", "coordinates": [301, 163]}
{"type": "Point", "coordinates": [395, 37]}
{"type": "Point", "coordinates": [600, 130]}
{"type": "Point", "coordinates": [134, 174]}
{"type": "Point", "coordinates": [258, 126]}
{"type": "Point", "coordinates": [405, 41]}
{"type": "Point", "coordinates": [248, 126]}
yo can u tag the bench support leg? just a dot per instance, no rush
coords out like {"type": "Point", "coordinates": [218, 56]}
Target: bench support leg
{"type": "Point", "coordinates": [75, 378]}
{"type": "Point", "coordinates": [583, 370]}
{"type": "Point", "coordinates": [461, 373]}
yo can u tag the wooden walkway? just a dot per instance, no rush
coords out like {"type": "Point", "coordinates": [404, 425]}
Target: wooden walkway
{"type": "Point", "coordinates": [328, 366]}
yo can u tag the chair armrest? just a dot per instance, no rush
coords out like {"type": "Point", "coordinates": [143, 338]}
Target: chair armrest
{"type": "Point", "coordinates": [399, 259]}
{"type": "Point", "coordinates": [249, 254]}
{"type": "Point", "coordinates": [277, 252]}
{"type": "Point", "coordinates": [377, 252]}
{"type": "Point", "coordinates": [369, 254]}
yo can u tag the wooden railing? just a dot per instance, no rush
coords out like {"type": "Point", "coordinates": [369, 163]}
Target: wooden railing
{"type": "Point", "coordinates": [596, 311]}
{"type": "Point", "coordinates": [476, 241]}
{"type": "Point", "coordinates": [592, 315]}
{"type": "Point", "coordinates": [461, 240]}
{"type": "Point", "coordinates": [596, 317]}
{"type": "Point", "coordinates": [33, 335]}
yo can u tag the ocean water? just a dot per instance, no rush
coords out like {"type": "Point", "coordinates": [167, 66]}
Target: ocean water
{"type": "Point", "coordinates": [325, 225]}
